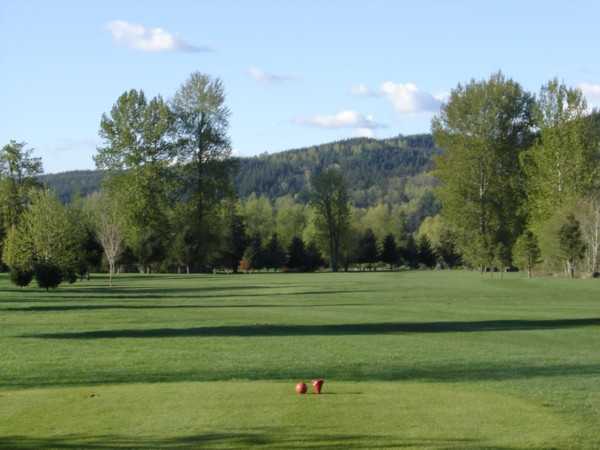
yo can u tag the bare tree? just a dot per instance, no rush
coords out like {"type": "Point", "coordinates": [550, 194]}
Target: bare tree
{"type": "Point", "coordinates": [109, 228]}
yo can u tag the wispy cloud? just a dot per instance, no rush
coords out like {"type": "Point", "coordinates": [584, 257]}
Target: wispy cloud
{"type": "Point", "coordinates": [343, 119]}
{"type": "Point", "coordinates": [591, 91]}
{"type": "Point", "coordinates": [268, 78]}
{"type": "Point", "coordinates": [139, 37]}
{"type": "Point", "coordinates": [406, 98]}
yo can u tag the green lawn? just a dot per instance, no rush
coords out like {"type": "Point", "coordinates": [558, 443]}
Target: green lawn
{"type": "Point", "coordinates": [411, 360]}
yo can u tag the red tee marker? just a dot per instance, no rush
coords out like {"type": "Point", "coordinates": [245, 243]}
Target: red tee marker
{"type": "Point", "coordinates": [318, 385]}
{"type": "Point", "coordinates": [301, 388]}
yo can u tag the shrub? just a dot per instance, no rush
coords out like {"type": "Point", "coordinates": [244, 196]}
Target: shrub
{"type": "Point", "coordinates": [48, 275]}
{"type": "Point", "coordinates": [21, 277]}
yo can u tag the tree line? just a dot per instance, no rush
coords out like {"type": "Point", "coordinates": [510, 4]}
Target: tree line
{"type": "Point", "coordinates": [514, 187]}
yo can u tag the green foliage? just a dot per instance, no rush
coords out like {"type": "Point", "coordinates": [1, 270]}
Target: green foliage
{"type": "Point", "coordinates": [562, 165]}
{"type": "Point", "coordinates": [527, 252]}
{"type": "Point", "coordinates": [484, 127]}
{"type": "Point", "coordinates": [259, 217]}
{"type": "Point", "coordinates": [290, 219]}
{"type": "Point", "coordinates": [571, 243]}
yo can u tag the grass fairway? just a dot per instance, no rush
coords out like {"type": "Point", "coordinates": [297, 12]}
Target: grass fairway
{"type": "Point", "coordinates": [411, 360]}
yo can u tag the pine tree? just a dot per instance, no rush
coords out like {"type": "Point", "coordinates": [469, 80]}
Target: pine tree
{"type": "Point", "coordinates": [296, 254]}
{"type": "Point", "coordinates": [275, 256]}
{"type": "Point", "coordinates": [314, 258]}
{"type": "Point", "coordinates": [389, 253]}
{"type": "Point", "coordinates": [425, 254]}
{"type": "Point", "coordinates": [367, 248]}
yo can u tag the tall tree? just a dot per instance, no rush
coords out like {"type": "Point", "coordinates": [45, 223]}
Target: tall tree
{"type": "Point", "coordinates": [330, 200]}
{"type": "Point", "coordinates": [562, 165]}
{"type": "Point", "coordinates": [484, 127]}
{"type": "Point", "coordinates": [204, 150]}
{"type": "Point", "coordinates": [138, 148]}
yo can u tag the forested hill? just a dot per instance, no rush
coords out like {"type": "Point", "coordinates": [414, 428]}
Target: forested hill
{"type": "Point", "coordinates": [375, 169]}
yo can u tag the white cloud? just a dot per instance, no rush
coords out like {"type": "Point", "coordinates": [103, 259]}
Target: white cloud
{"type": "Point", "coordinates": [343, 119]}
{"type": "Point", "coordinates": [591, 92]}
{"type": "Point", "coordinates": [406, 98]}
{"type": "Point", "coordinates": [139, 37]}
{"type": "Point", "coordinates": [268, 78]}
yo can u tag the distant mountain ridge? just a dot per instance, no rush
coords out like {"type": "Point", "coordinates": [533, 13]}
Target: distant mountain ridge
{"type": "Point", "coordinates": [376, 169]}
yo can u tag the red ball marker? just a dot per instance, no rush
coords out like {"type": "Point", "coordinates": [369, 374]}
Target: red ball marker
{"type": "Point", "coordinates": [301, 388]}
{"type": "Point", "coordinates": [318, 385]}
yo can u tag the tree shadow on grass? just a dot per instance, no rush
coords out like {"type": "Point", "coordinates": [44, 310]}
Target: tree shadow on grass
{"type": "Point", "coordinates": [273, 437]}
{"type": "Point", "coordinates": [328, 330]}
{"type": "Point", "coordinates": [133, 295]}
{"type": "Point", "coordinates": [92, 307]}
{"type": "Point", "coordinates": [393, 372]}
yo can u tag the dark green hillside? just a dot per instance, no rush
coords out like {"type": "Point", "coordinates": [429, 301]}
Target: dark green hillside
{"type": "Point", "coordinates": [79, 182]}
{"type": "Point", "coordinates": [372, 167]}
{"type": "Point", "coordinates": [376, 169]}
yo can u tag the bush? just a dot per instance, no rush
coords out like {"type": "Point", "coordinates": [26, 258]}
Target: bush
{"type": "Point", "coordinates": [21, 277]}
{"type": "Point", "coordinates": [48, 275]}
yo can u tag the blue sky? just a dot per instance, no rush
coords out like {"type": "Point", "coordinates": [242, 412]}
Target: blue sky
{"type": "Point", "coordinates": [296, 72]}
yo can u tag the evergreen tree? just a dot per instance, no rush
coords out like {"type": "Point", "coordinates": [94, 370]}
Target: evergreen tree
{"type": "Point", "coordinates": [409, 252]}
{"type": "Point", "coordinates": [314, 258]}
{"type": "Point", "coordinates": [297, 254]}
{"type": "Point", "coordinates": [275, 256]}
{"type": "Point", "coordinates": [425, 253]}
{"type": "Point", "coordinates": [572, 247]}
{"type": "Point", "coordinates": [367, 248]}
{"type": "Point", "coordinates": [389, 253]}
